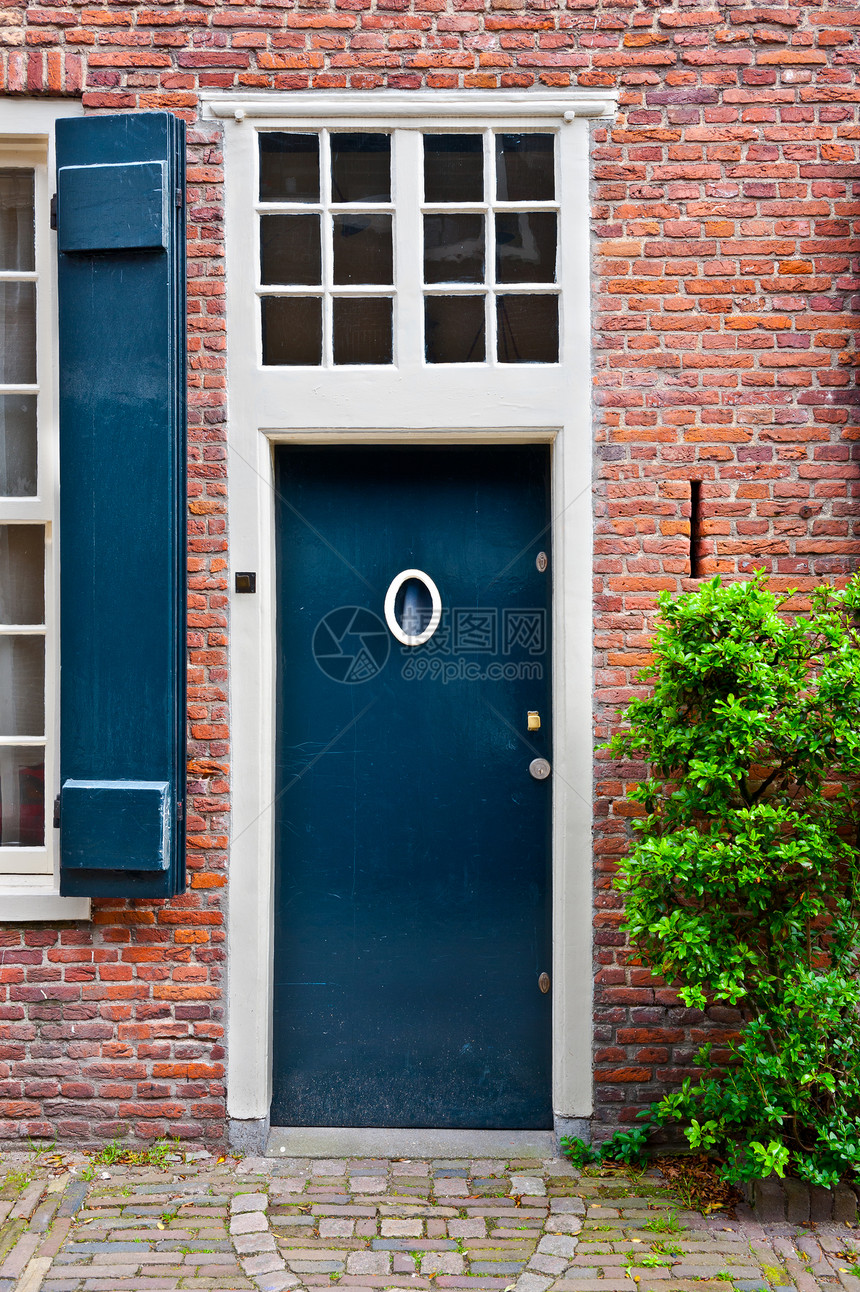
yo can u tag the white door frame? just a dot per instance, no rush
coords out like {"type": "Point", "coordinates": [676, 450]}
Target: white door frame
{"type": "Point", "coordinates": [526, 404]}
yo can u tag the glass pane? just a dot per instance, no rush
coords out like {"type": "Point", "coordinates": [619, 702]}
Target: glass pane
{"type": "Point", "coordinates": [413, 607]}
{"type": "Point", "coordinates": [17, 333]}
{"type": "Point", "coordinates": [22, 686]}
{"type": "Point", "coordinates": [454, 329]}
{"type": "Point", "coordinates": [362, 249]}
{"type": "Point", "coordinates": [290, 249]}
{"type": "Point", "coordinates": [360, 168]}
{"type": "Point", "coordinates": [22, 796]}
{"type": "Point", "coordinates": [292, 330]}
{"type": "Point", "coordinates": [453, 248]}
{"type": "Point", "coordinates": [525, 247]}
{"type": "Point", "coordinates": [524, 168]}
{"type": "Point", "coordinates": [362, 329]}
{"type": "Point", "coordinates": [17, 233]}
{"type": "Point", "coordinates": [453, 168]}
{"type": "Point", "coordinates": [528, 329]}
{"type": "Point", "coordinates": [17, 446]}
{"type": "Point", "coordinates": [289, 167]}
{"type": "Point", "coordinates": [22, 574]}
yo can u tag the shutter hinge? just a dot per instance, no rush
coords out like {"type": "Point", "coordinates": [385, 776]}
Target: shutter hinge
{"type": "Point", "coordinates": [179, 196]}
{"type": "Point", "coordinates": [57, 812]}
{"type": "Point", "coordinates": [54, 211]}
{"type": "Point", "coordinates": [180, 810]}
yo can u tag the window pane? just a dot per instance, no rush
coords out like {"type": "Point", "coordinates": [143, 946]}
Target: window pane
{"type": "Point", "coordinates": [528, 329]}
{"type": "Point", "coordinates": [292, 330]}
{"type": "Point", "coordinates": [289, 167]}
{"type": "Point", "coordinates": [454, 329]}
{"type": "Point", "coordinates": [17, 333]}
{"type": "Point", "coordinates": [22, 796]}
{"type": "Point", "coordinates": [17, 235]}
{"type": "Point", "coordinates": [22, 686]}
{"type": "Point", "coordinates": [17, 446]}
{"type": "Point", "coordinates": [413, 607]}
{"type": "Point", "coordinates": [453, 168]}
{"type": "Point", "coordinates": [22, 574]}
{"type": "Point", "coordinates": [362, 329]}
{"type": "Point", "coordinates": [453, 248]}
{"type": "Point", "coordinates": [360, 168]}
{"type": "Point", "coordinates": [525, 247]}
{"type": "Point", "coordinates": [290, 249]}
{"type": "Point", "coordinates": [362, 249]}
{"type": "Point", "coordinates": [524, 168]}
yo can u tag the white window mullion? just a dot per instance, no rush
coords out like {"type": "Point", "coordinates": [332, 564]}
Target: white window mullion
{"type": "Point", "coordinates": [490, 237]}
{"type": "Point", "coordinates": [327, 247]}
{"type": "Point", "coordinates": [408, 186]}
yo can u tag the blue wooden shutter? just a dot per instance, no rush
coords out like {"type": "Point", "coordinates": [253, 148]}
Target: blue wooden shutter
{"type": "Point", "coordinates": [121, 245]}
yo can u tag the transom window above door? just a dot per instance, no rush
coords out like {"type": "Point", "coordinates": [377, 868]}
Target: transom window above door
{"type": "Point", "coordinates": [351, 222]}
{"type": "Point", "coordinates": [326, 246]}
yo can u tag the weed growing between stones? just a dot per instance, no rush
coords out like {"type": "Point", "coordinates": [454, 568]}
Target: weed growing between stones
{"type": "Point", "coordinates": [117, 1154]}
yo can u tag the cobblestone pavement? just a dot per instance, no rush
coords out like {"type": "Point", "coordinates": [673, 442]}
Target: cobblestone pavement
{"type": "Point", "coordinates": [371, 1224]}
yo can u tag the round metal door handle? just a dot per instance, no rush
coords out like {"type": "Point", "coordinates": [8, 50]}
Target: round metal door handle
{"type": "Point", "coordinates": [539, 768]}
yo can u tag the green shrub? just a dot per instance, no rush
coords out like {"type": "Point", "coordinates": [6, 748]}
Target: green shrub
{"type": "Point", "coordinates": [742, 884]}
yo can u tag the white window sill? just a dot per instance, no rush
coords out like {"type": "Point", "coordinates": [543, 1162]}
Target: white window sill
{"type": "Point", "coordinates": [47, 905]}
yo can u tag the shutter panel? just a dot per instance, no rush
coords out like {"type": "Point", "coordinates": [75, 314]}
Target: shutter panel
{"type": "Point", "coordinates": [121, 245]}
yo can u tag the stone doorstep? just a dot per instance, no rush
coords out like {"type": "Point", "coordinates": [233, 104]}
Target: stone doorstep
{"type": "Point", "coordinates": [303, 1142]}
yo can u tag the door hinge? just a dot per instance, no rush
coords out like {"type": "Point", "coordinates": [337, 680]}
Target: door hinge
{"type": "Point", "coordinates": [57, 812]}
{"type": "Point", "coordinates": [180, 811]}
{"type": "Point", "coordinates": [54, 211]}
{"type": "Point", "coordinates": [179, 197]}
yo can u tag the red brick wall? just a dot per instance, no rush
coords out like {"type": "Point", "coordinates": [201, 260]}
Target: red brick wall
{"type": "Point", "coordinates": [725, 198]}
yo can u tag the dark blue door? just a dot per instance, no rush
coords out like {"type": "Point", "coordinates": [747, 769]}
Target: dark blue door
{"type": "Point", "coordinates": [412, 842]}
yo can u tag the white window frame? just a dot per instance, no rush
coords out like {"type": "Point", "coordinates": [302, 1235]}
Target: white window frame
{"type": "Point", "coordinates": [29, 877]}
{"type": "Point", "coordinates": [407, 210]}
{"type": "Point", "coordinates": [326, 209]}
{"type": "Point", "coordinates": [415, 403]}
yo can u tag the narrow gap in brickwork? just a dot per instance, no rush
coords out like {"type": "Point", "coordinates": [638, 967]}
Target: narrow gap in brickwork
{"type": "Point", "coordinates": [695, 521]}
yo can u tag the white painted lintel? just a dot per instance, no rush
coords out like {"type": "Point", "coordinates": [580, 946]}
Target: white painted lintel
{"type": "Point", "coordinates": [405, 105]}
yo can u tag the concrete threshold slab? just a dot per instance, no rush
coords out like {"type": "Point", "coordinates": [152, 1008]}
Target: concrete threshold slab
{"type": "Point", "coordinates": [356, 1141]}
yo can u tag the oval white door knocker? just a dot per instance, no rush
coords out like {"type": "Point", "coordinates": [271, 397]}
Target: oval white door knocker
{"type": "Point", "coordinates": [408, 616]}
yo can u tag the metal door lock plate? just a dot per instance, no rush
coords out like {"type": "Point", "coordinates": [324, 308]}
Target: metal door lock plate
{"type": "Point", "coordinates": [544, 983]}
{"type": "Point", "coordinates": [539, 768]}
{"type": "Point", "coordinates": [541, 561]}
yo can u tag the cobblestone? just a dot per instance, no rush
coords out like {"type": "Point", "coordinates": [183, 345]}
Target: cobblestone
{"type": "Point", "coordinates": [372, 1226]}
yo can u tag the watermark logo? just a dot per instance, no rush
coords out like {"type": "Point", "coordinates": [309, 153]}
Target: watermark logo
{"type": "Point", "coordinates": [471, 644]}
{"type": "Point", "coordinates": [524, 628]}
{"type": "Point", "coordinates": [457, 669]}
{"type": "Point", "coordinates": [351, 644]}
{"type": "Point", "coordinates": [475, 631]}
